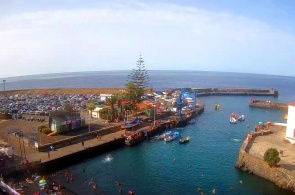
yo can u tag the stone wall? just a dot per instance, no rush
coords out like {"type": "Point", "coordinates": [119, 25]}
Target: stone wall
{"type": "Point", "coordinates": [253, 165]}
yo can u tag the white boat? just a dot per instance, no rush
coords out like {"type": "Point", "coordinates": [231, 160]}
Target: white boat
{"type": "Point", "coordinates": [241, 118]}
{"type": "Point", "coordinates": [171, 137]}
{"type": "Point", "coordinates": [232, 120]}
{"type": "Point", "coordinates": [165, 134]}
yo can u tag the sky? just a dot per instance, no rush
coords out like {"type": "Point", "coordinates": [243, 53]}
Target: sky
{"type": "Point", "coordinates": [53, 36]}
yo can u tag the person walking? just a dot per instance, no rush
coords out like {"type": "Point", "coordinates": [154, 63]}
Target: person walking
{"type": "Point", "coordinates": [83, 144]}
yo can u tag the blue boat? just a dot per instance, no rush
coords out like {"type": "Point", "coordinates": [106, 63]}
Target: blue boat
{"type": "Point", "coordinates": [130, 124]}
{"type": "Point", "coordinates": [171, 137]}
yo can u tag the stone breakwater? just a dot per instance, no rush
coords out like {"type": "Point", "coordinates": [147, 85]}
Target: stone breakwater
{"type": "Point", "coordinates": [231, 91]}
{"type": "Point", "coordinates": [252, 164]}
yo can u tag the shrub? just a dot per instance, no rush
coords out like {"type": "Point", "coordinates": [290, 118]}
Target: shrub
{"type": "Point", "coordinates": [42, 126]}
{"type": "Point", "coordinates": [46, 130]}
{"type": "Point", "coordinates": [271, 156]}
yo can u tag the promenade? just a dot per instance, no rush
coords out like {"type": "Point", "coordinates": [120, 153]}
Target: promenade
{"type": "Point", "coordinates": [22, 151]}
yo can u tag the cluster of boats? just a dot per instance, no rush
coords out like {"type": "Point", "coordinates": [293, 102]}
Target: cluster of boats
{"type": "Point", "coordinates": [168, 136]}
{"type": "Point", "coordinates": [233, 118]}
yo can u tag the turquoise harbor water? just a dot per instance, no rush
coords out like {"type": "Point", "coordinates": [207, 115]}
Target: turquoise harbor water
{"type": "Point", "coordinates": [206, 162]}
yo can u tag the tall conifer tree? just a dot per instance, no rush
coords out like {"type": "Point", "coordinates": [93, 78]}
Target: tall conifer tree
{"type": "Point", "coordinates": [139, 76]}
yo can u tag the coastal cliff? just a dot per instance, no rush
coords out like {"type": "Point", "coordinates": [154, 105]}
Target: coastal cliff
{"type": "Point", "coordinates": [251, 164]}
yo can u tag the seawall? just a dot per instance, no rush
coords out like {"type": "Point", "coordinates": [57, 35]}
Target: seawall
{"type": "Point", "coordinates": [231, 91]}
{"type": "Point", "coordinates": [246, 162]}
{"type": "Point", "coordinates": [268, 104]}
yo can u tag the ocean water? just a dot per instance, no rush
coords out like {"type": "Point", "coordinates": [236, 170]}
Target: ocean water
{"type": "Point", "coordinates": [156, 167]}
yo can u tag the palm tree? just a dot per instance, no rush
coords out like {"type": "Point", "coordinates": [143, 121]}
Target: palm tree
{"type": "Point", "coordinates": [111, 101]}
{"type": "Point", "coordinates": [91, 106]}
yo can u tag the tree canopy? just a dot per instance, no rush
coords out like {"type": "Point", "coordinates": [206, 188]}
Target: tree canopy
{"type": "Point", "coordinates": [271, 156]}
{"type": "Point", "coordinates": [91, 106]}
{"type": "Point", "coordinates": [139, 76]}
{"type": "Point", "coordinates": [138, 81]}
{"type": "Point", "coordinates": [111, 101]}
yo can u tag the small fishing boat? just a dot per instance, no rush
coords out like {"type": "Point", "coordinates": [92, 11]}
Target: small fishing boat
{"type": "Point", "coordinates": [130, 125]}
{"type": "Point", "coordinates": [165, 134]}
{"type": "Point", "coordinates": [241, 118]}
{"type": "Point", "coordinates": [185, 140]}
{"type": "Point", "coordinates": [135, 138]}
{"type": "Point", "coordinates": [171, 137]}
{"type": "Point", "coordinates": [216, 106]}
{"type": "Point", "coordinates": [233, 118]}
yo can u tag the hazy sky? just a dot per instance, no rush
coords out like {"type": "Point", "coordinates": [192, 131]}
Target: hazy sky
{"type": "Point", "coordinates": [52, 36]}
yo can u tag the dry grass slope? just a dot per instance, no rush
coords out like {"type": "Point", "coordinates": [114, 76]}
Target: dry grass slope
{"type": "Point", "coordinates": [65, 91]}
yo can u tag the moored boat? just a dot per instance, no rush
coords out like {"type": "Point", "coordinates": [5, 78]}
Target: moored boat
{"type": "Point", "coordinates": [185, 140]}
{"type": "Point", "coordinates": [233, 118]}
{"type": "Point", "coordinates": [135, 138]}
{"type": "Point", "coordinates": [130, 125]}
{"type": "Point", "coordinates": [241, 118]}
{"type": "Point", "coordinates": [171, 137]}
{"type": "Point", "coordinates": [165, 134]}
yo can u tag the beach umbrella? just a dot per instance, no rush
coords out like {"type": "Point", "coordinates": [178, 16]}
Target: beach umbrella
{"type": "Point", "coordinates": [42, 183]}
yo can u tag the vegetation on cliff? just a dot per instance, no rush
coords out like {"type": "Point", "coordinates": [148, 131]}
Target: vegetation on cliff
{"type": "Point", "coordinates": [271, 156]}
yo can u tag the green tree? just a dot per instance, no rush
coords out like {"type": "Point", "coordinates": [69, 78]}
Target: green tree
{"type": "Point", "coordinates": [111, 101]}
{"type": "Point", "coordinates": [271, 156]}
{"type": "Point", "coordinates": [133, 95]}
{"type": "Point", "coordinates": [139, 76]}
{"type": "Point", "coordinates": [91, 106]}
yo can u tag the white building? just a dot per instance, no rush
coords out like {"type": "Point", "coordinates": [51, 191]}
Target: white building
{"type": "Point", "coordinates": [290, 132]}
{"type": "Point", "coordinates": [104, 97]}
{"type": "Point", "coordinates": [95, 112]}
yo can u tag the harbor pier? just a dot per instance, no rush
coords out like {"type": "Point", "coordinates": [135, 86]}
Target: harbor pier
{"type": "Point", "coordinates": [251, 154]}
{"type": "Point", "coordinates": [231, 91]}
{"type": "Point", "coordinates": [268, 104]}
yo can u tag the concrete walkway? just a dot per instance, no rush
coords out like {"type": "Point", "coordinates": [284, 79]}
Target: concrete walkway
{"type": "Point", "coordinates": [33, 155]}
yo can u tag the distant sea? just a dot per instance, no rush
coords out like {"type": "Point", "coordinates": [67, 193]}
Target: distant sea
{"type": "Point", "coordinates": [155, 167]}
